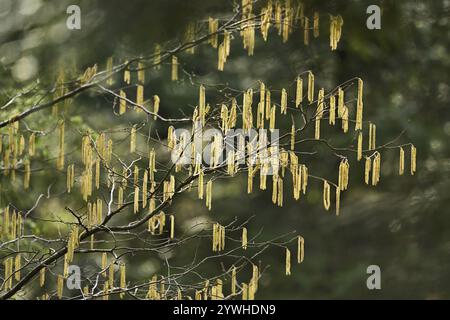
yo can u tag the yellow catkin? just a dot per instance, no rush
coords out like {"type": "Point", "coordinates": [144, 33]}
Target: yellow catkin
{"type": "Point", "coordinates": [200, 185]}
{"type": "Point", "coordinates": [317, 129]}
{"type": "Point", "coordinates": [310, 87]}
{"type": "Point", "coordinates": [17, 266]}
{"type": "Point", "coordinates": [298, 92]}
{"type": "Point", "coordinates": [343, 174]}
{"type": "Point", "coordinates": [338, 200]}
{"type": "Point", "coordinates": [268, 104]}
{"type": "Point", "coordinates": [120, 197]}
{"type": "Point", "coordinates": [332, 112]}
{"type": "Point", "coordinates": [144, 189]}
{"type": "Point", "coordinates": [372, 136]}
{"type": "Point", "coordinates": [141, 73]}
{"type": "Point", "coordinates": [359, 106]}
{"type": "Point", "coordinates": [27, 175]}
{"type": "Point", "coordinates": [340, 102]}
{"type": "Point", "coordinates": [326, 195]}
{"type": "Point", "coordinates": [42, 277]}
{"type": "Point", "coordinates": [172, 226]}
{"type": "Point", "coordinates": [272, 117]}
{"type": "Point", "coordinates": [413, 159]}
{"type": "Point", "coordinates": [300, 249]}
{"type": "Point", "coordinates": [288, 262]}
{"type": "Point", "coordinates": [306, 31]}
{"type": "Point", "coordinates": [21, 145]}
{"type": "Point", "coordinates": [283, 103]}
{"type": "Point", "coordinates": [109, 69]}
{"type": "Point", "coordinates": [360, 143]}
{"type": "Point", "coordinates": [171, 139]}
{"type": "Point", "coordinates": [244, 238]}
{"type": "Point", "coordinates": [345, 119]}
{"type": "Point", "coordinates": [140, 95]}
{"type": "Point", "coordinates": [244, 291]}
{"type": "Point", "coordinates": [60, 161]}
{"type": "Point", "coordinates": [156, 102]}
{"type": "Point", "coordinates": [97, 173]}
{"type": "Point", "coordinates": [316, 24]}
{"type": "Point", "coordinates": [136, 200]}
{"type": "Point", "coordinates": [213, 25]}
{"type": "Point", "coordinates": [123, 102]}
{"type": "Point", "coordinates": [209, 194]}
{"type": "Point", "coordinates": [123, 281]}
{"type": "Point", "coordinates": [133, 139]}
{"type": "Point", "coordinates": [367, 169]}
{"type": "Point", "coordinates": [32, 145]}
{"type": "Point", "coordinates": [376, 168]}
{"type": "Point", "coordinates": [127, 76]}
{"type": "Point", "coordinates": [60, 286]}
{"type": "Point", "coordinates": [401, 165]}
{"type": "Point", "coordinates": [174, 74]}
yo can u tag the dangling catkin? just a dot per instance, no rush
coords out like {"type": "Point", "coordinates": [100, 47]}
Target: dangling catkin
{"type": "Point", "coordinates": [244, 238]}
{"type": "Point", "coordinates": [332, 111]}
{"type": "Point", "coordinates": [306, 32]}
{"type": "Point", "coordinates": [27, 174]}
{"type": "Point", "coordinates": [310, 86]}
{"type": "Point", "coordinates": [283, 101]}
{"type": "Point", "coordinates": [338, 200]}
{"type": "Point", "coordinates": [42, 277]}
{"type": "Point", "coordinates": [17, 267]}
{"type": "Point", "coordinates": [288, 262]}
{"type": "Point", "coordinates": [233, 281]}
{"type": "Point", "coordinates": [372, 136]}
{"type": "Point", "coordinates": [360, 142]}
{"type": "Point", "coordinates": [144, 189]}
{"type": "Point", "coordinates": [359, 106]}
{"type": "Point", "coordinates": [172, 226]}
{"type": "Point", "coordinates": [367, 168]}
{"type": "Point", "coordinates": [140, 96]}
{"type": "Point", "coordinates": [299, 92]}
{"type": "Point", "coordinates": [123, 102]}
{"type": "Point", "coordinates": [174, 68]}
{"type": "Point", "coordinates": [326, 195]}
{"type": "Point", "coordinates": [60, 161]}
{"type": "Point", "coordinates": [413, 159]}
{"type": "Point", "coordinates": [300, 249]}
{"type": "Point", "coordinates": [156, 102]}
{"type": "Point", "coordinates": [401, 165]}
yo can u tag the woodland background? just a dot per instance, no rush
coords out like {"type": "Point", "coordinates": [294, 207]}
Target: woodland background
{"type": "Point", "coordinates": [402, 225]}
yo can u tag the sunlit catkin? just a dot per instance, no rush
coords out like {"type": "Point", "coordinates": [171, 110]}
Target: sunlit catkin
{"type": "Point", "coordinates": [376, 168]}
{"type": "Point", "coordinates": [32, 145]}
{"type": "Point", "coordinates": [413, 159]}
{"type": "Point", "coordinates": [42, 277]}
{"type": "Point", "coordinates": [283, 103]}
{"type": "Point", "coordinates": [332, 111]}
{"type": "Point", "coordinates": [306, 32]}
{"type": "Point", "coordinates": [123, 102]}
{"type": "Point", "coordinates": [310, 87]}
{"type": "Point", "coordinates": [359, 106]}
{"type": "Point", "coordinates": [209, 194]}
{"type": "Point", "coordinates": [338, 200]}
{"type": "Point", "coordinates": [359, 147]}
{"type": "Point", "coordinates": [288, 262]}
{"type": "Point", "coordinates": [60, 161]}
{"type": "Point", "coordinates": [213, 25]}
{"type": "Point", "coordinates": [244, 238]}
{"type": "Point", "coordinates": [156, 102]}
{"type": "Point", "coordinates": [326, 195]}
{"type": "Point", "coordinates": [401, 164]}
{"type": "Point", "coordinates": [367, 169]}
{"type": "Point", "coordinates": [27, 174]}
{"type": "Point", "coordinates": [298, 92]}
{"type": "Point", "coordinates": [372, 136]}
{"type": "Point", "coordinates": [233, 281]}
{"type": "Point", "coordinates": [300, 249]}
{"type": "Point", "coordinates": [172, 226]}
{"type": "Point", "coordinates": [174, 74]}
{"type": "Point", "coordinates": [17, 266]}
